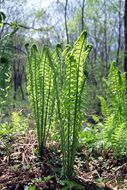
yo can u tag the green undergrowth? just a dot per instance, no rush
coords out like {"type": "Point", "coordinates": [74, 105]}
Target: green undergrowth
{"type": "Point", "coordinates": [111, 132]}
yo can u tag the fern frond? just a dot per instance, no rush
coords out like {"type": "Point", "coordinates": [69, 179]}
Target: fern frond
{"type": "Point", "coordinates": [5, 65]}
{"type": "Point", "coordinates": [104, 108]}
{"type": "Point", "coordinates": [4, 78]}
{"type": "Point", "coordinates": [114, 108]}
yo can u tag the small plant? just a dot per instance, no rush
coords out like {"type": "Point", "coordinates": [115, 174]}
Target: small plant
{"type": "Point", "coordinates": [11, 128]}
{"type": "Point", "coordinates": [68, 185]}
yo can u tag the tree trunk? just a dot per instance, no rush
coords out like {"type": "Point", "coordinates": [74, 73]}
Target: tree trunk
{"type": "Point", "coordinates": [119, 34]}
{"type": "Point", "coordinates": [105, 36]}
{"type": "Point", "coordinates": [66, 27]}
{"type": "Point", "coordinates": [82, 19]}
{"type": "Point", "coordinates": [125, 36]}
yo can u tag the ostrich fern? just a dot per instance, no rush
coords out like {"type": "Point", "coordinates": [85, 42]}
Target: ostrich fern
{"type": "Point", "coordinates": [5, 59]}
{"type": "Point", "coordinates": [40, 88]}
{"type": "Point", "coordinates": [4, 78]}
{"type": "Point", "coordinates": [114, 108]}
{"type": "Point", "coordinates": [57, 80]}
{"type": "Point", "coordinates": [5, 66]}
{"type": "Point", "coordinates": [69, 98]}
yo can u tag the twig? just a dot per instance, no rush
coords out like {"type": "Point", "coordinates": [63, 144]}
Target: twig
{"type": "Point", "coordinates": [28, 27]}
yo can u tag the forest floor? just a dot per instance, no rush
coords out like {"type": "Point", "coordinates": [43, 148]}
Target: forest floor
{"type": "Point", "coordinates": [21, 170]}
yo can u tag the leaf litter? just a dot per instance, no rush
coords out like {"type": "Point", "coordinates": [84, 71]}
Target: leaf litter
{"type": "Point", "coordinates": [21, 169]}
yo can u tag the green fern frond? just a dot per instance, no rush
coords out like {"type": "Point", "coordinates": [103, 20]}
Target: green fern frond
{"type": "Point", "coordinates": [4, 78]}
{"type": "Point", "coordinates": [104, 109]}
{"type": "Point", "coordinates": [114, 108]}
{"type": "Point", "coordinates": [5, 63]}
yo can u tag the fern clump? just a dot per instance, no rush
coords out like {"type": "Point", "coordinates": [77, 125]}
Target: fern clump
{"type": "Point", "coordinates": [4, 78]}
{"type": "Point", "coordinates": [69, 96]}
{"type": "Point", "coordinates": [40, 88]}
{"type": "Point", "coordinates": [5, 59]}
{"type": "Point", "coordinates": [114, 109]}
{"type": "Point", "coordinates": [56, 81]}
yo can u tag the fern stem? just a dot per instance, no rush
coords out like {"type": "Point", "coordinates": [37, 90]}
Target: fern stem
{"type": "Point", "coordinates": [36, 97]}
{"type": "Point", "coordinates": [69, 132]}
{"type": "Point", "coordinates": [74, 141]}
{"type": "Point", "coordinates": [46, 111]}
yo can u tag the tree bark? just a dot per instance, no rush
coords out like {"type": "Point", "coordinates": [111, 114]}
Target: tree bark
{"type": "Point", "coordinates": [82, 19]}
{"type": "Point", "coordinates": [105, 36]}
{"type": "Point", "coordinates": [125, 38]}
{"type": "Point", "coordinates": [66, 27]}
{"type": "Point", "coordinates": [119, 34]}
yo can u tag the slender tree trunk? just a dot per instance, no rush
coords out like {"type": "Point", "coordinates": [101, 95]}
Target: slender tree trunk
{"type": "Point", "coordinates": [105, 36]}
{"type": "Point", "coordinates": [82, 18]}
{"type": "Point", "coordinates": [95, 35]}
{"type": "Point", "coordinates": [66, 27]}
{"type": "Point", "coordinates": [125, 36]}
{"type": "Point", "coordinates": [119, 35]}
